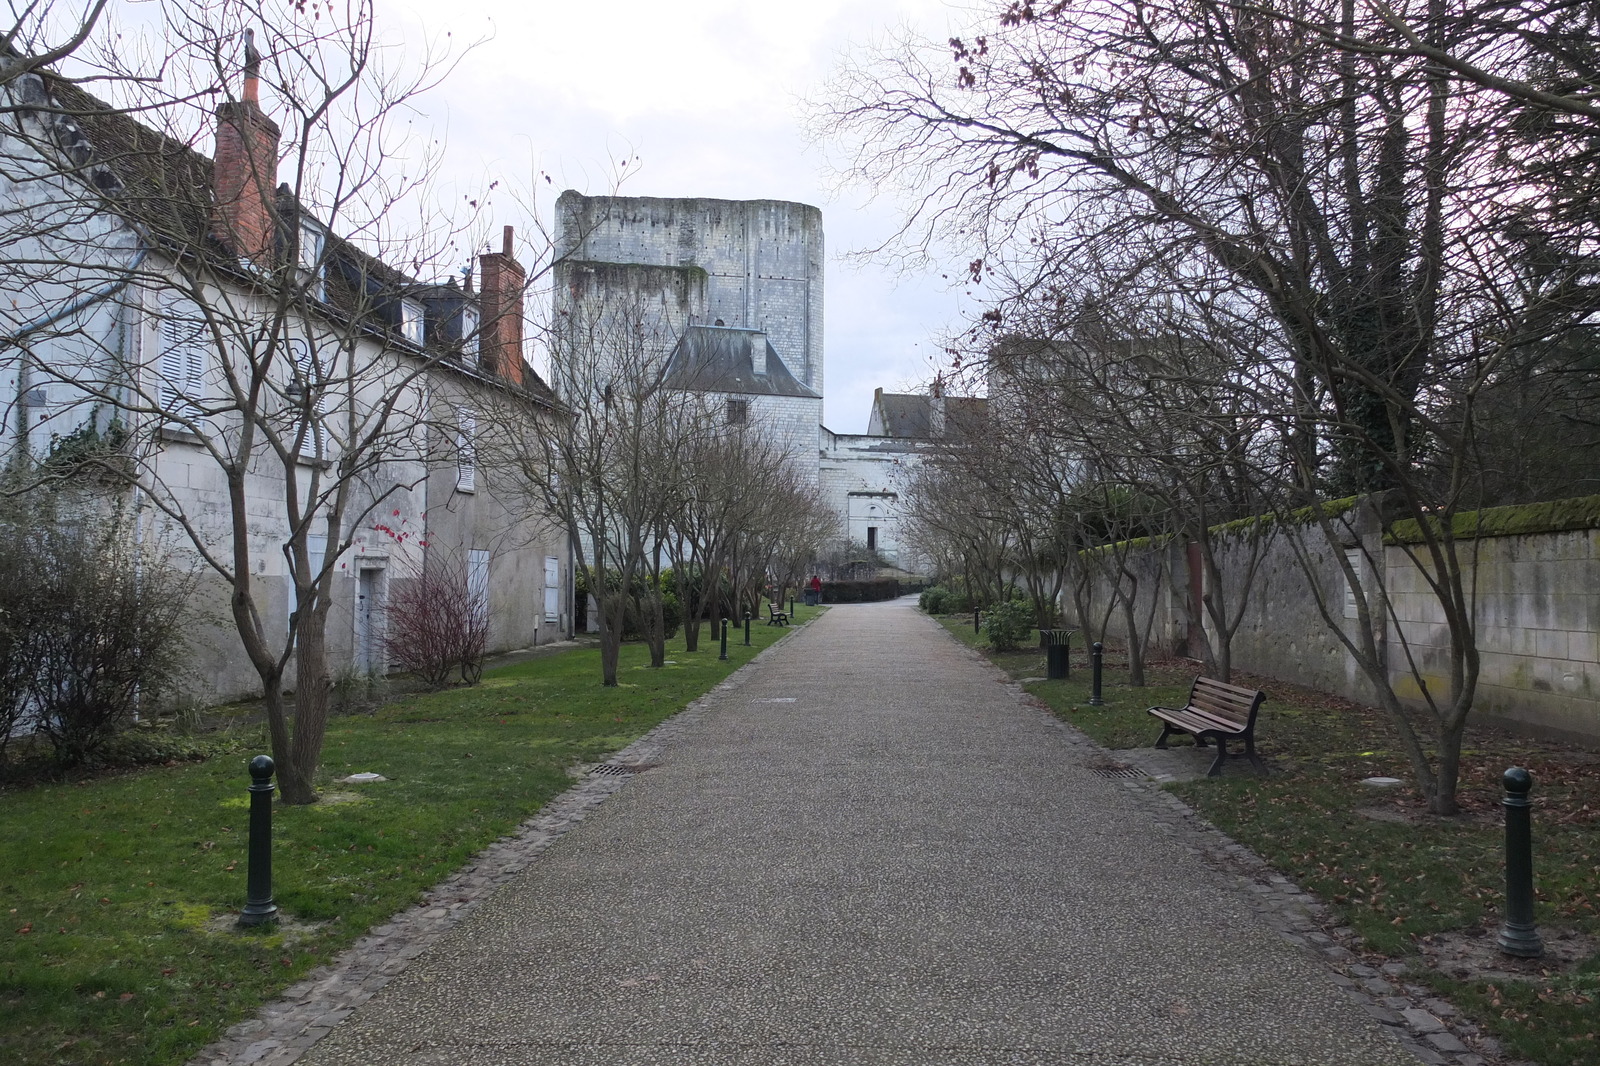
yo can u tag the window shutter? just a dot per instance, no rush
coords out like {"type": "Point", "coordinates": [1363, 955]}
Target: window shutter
{"type": "Point", "coordinates": [466, 451]}
{"type": "Point", "coordinates": [311, 377]}
{"type": "Point", "coordinates": [182, 366]}
{"type": "Point", "coordinates": [552, 588]}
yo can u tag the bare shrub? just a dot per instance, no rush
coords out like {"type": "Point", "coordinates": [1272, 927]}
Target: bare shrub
{"type": "Point", "coordinates": [437, 627]}
{"type": "Point", "coordinates": [93, 625]}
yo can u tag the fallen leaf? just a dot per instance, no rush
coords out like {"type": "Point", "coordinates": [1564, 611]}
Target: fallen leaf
{"type": "Point", "coordinates": [25, 930]}
{"type": "Point", "coordinates": [125, 996]}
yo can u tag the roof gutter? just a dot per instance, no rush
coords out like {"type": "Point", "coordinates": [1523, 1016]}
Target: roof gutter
{"type": "Point", "coordinates": [103, 292]}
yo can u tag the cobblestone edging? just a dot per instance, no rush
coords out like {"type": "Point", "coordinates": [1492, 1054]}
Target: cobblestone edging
{"type": "Point", "coordinates": [1429, 1027]}
{"type": "Point", "coordinates": [288, 1027]}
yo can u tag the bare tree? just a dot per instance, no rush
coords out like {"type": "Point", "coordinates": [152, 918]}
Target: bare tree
{"type": "Point", "coordinates": [1345, 199]}
{"type": "Point", "coordinates": [234, 323]}
{"type": "Point", "coordinates": [596, 468]}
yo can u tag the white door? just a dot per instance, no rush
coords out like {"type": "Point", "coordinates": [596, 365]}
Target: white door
{"type": "Point", "coordinates": [369, 590]}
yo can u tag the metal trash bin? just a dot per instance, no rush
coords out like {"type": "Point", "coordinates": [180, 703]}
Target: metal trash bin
{"type": "Point", "coordinates": [813, 597]}
{"type": "Point", "coordinates": [1057, 647]}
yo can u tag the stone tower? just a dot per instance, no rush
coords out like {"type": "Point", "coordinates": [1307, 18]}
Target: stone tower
{"type": "Point", "coordinates": [745, 264]}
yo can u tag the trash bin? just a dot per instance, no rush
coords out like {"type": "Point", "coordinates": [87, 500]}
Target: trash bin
{"type": "Point", "coordinates": [1057, 646]}
{"type": "Point", "coordinates": [813, 597]}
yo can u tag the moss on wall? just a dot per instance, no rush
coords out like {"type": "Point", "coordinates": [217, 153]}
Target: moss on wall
{"type": "Point", "coordinates": [1302, 516]}
{"type": "Point", "coordinates": [1552, 516]}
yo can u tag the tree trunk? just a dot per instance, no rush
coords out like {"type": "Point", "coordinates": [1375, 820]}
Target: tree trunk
{"type": "Point", "coordinates": [297, 781]}
{"type": "Point", "coordinates": [613, 619]}
{"type": "Point", "coordinates": [1135, 646]}
{"type": "Point", "coordinates": [657, 614]}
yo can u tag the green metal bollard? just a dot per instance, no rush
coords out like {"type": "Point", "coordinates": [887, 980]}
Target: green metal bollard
{"type": "Point", "coordinates": [724, 652]}
{"type": "Point", "coordinates": [1518, 936]}
{"type": "Point", "coordinates": [259, 908]}
{"type": "Point", "coordinates": [975, 623]}
{"type": "Point", "coordinates": [1095, 653]}
{"type": "Point", "coordinates": [747, 629]}
{"type": "Point", "coordinates": [791, 608]}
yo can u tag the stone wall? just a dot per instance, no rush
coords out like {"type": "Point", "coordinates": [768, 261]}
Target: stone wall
{"type": "Point", "coordinates": [1538, 616]}
{"type": "Point", "coordinates": [1536, 603]}
{"type": "Point", "coordinates": [793, 423]}
{"type": "Point", "coordinates": [762, 259]}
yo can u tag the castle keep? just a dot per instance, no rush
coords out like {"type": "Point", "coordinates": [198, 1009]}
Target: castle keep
{"type": "Point", "coordinates": [752, 264]}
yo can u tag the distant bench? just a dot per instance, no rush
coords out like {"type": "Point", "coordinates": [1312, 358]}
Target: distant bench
{"type": "Point", "coordinates": [776, 616]}
{"type": "Point", "coordinates": [1215, 711]}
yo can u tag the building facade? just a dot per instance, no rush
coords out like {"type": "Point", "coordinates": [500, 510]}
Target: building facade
{"type": "Point", "coordinates": [269, 403]}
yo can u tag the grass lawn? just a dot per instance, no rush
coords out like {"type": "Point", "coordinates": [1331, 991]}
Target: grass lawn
{"type": "Point", "coordinates": [120, 892]}
{"type": "Point", "coordinates": [1415, 887]}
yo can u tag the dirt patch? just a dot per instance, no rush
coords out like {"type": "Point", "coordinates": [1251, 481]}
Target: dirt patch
{"type": "Point", "coordinates": [1407, 814]}
{"type": "Point", "coordinates": [1471, 954]}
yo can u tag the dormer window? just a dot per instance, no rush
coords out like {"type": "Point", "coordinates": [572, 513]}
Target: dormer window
{"type": "Point", "coordinates": [411, 321]}
{"type": "Point", "coordinates": [311, 248]}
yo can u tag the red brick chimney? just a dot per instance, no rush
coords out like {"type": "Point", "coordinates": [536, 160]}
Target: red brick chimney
{"type": "Point", "coordinates": [501, 280]}
{"type": "Point", "coordinates": [245, 169]}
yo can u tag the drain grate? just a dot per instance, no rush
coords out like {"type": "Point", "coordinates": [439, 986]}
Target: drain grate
{"type": "Point", "coordinates": [613, 769]}
{"type": "Point", "coordinates": [1116, 769]}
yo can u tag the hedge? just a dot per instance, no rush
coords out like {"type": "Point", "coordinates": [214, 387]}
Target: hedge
{"type": "Point", "coordinates": [869, 591]}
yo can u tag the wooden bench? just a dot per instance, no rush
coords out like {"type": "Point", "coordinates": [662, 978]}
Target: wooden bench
{"type": "Point", "coordinates": [776, 616]}
{"type": "Point", "coordinates": [1215, 711]}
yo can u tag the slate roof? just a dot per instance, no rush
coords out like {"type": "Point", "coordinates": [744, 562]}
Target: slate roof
{"type": "Point", "coordinates": [717, 359]}
{"type": "Point", "coordinates": [911, 416]}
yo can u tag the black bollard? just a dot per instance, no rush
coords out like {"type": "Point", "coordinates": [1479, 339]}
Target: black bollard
{"type": "Point", "coordinates": [724, 653]}
{"type": "Point", "coordinates": [975, 614]}
{"type": "Point", "coordinates": [791, 608]}
{"type": "Point", "coordinates": [747, 629]}
{"type": "Point", "coordinates": [1095, 651]}
{"type": "Point", "coordinates": [1518, 936]}
{"type": "Point", "coordinates": [259, 908]}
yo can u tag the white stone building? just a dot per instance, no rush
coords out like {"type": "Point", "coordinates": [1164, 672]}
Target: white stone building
{"type": "Point", "coordinates": [863, 476]}
{"type": "Point", "coordinates": [174, 308]}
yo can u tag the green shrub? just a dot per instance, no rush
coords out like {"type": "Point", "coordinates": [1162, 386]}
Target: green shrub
{"type": "Point", "coordinates": [1008, 625]}
{"type": "Point", "coordinates": [934, 600]}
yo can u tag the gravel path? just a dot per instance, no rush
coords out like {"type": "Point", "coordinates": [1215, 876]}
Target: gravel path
{"type": "Point", "coordinates": [868, 848]}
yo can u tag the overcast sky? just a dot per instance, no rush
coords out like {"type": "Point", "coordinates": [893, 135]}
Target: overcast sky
{"type": "Point", "coordinates": [704, 95]}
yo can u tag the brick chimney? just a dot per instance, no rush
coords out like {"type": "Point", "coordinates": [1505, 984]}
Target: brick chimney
{"type": "Point", "coordinates": [245, 169]}
{"type": "Point", "coordinates": [501, 280]}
